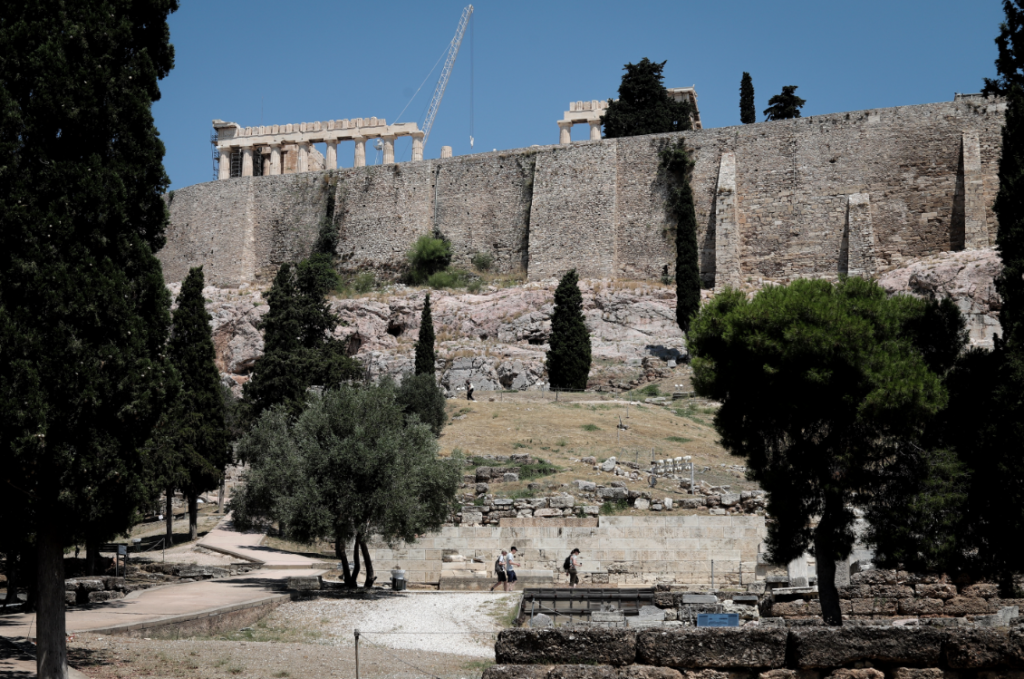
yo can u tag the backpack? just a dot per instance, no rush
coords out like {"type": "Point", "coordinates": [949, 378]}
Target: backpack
{"type": "Point", "coordinates": [568, 563]}
{"type": "Point", "coordinates": [499, 565]}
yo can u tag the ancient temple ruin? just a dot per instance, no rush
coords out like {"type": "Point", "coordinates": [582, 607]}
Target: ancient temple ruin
{"type": "Point", "coordinates": [591, 112]}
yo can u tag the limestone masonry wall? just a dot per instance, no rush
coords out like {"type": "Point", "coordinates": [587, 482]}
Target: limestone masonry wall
{"type": "Point", "coordinates": [773, 202]}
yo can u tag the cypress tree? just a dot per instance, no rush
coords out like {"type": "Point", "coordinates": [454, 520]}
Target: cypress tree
{"type": "Point", "coordinates": [644, 105]}
{"type": "Point", "coordinates": [748, 114]}
{"type": "Point", "coordinates": [676, 163]}
{"type": "Point", "coordinates": [194, 435]}
{"type": "Point", "coordinates": [84, 312]}
{"type": "Point", "coordinates": [568, 359]}
{"type": "Point", "coordinates": [425, 360]}
{"type": "Point", "coordinates": [784, 106]}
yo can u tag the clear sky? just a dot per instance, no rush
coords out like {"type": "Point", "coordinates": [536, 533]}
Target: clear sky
{"type": "Point", "coordinates": [273, 62]}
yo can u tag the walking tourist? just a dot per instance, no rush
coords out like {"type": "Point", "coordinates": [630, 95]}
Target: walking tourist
{"type": "Point", "coordinates": [469, 391]}
{"type": "Point", "coordinates": [510, 568]}
{"type": "Point", "coordinates": [571, 566]}
{"type": "Point", "coordinates": [499, 570]}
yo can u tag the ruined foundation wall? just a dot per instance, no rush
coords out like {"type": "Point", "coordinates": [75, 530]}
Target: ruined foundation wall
{"type": "Point", "coordinates": [924, 177]}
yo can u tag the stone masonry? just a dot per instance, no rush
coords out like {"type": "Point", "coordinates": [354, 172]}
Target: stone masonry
{"type": "Point", "coordinates": [921, 179]}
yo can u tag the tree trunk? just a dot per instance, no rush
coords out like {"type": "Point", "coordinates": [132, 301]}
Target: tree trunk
{"type": "Point", "coordinates": [51, 642]}
{"type": "Point", "coordinates": [369, 564]}
{"type": "Point", "coordinates": [825, 555]}
{"type": "Point", "coordinates": [169, 518]}
{"type": "Point", "coordinates": [193, 518]}
{"type": "Point", "coordinates": [92, 554]}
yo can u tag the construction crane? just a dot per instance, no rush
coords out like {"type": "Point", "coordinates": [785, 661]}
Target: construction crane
{"type": "Point", "coordinates": [442, 83]}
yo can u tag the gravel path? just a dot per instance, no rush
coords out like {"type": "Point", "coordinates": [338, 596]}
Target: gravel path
{"type": "Point", "coordinates": [456, 623]}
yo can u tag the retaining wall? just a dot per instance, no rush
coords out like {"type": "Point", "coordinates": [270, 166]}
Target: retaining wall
{"type": "Point", "coordinates": [773, 202]}
{"type": "Point", "coordinates": [616, 551]}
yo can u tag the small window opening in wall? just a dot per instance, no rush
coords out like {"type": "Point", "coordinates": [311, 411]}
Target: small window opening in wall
{"type": "Point", "coordinates": [287, 166]}
{"type": "Point", "coordinates": [258, 158]}
{"type": "Point", "coordinates": [236, 163]}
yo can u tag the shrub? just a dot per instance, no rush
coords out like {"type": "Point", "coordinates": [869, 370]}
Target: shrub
{"type": "Point", "coordinates": [429, 255]}
{"type": "Point", "coordinates": [444, 279]}
{"type": "Point", "coordinates": [482, 261]}
{"type": "Point", "coordinates": [614, 507]}
{"type": "Point", "coordinates": [474, 286]}
{"type": "Point", "coordinates": [364, 282]}
{"type": "Point", "coordinates": [590, 427]}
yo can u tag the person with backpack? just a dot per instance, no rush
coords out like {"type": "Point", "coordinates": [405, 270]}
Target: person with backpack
{"type": "Point", "coordinates": [510, 568]}
{"type": "Point", "coordinates": [499, 570]}
{"type": "Point", "coordinates": [571, 566]}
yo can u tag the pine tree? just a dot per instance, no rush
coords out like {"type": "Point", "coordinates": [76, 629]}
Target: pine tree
{"type": "Point", "coordinates": [748, 114]}
{"type": "Point", "coordinates": [784, 106]}
{"type": "Point", "coordinates": [84, 312]}
{"type": "Point", "coordinates": [1010, 61]}
{"type": "Point", "coordinates": [644, 105]}
{"type": "Point", "coordinates": [193, 433]}
{"type": "Point", "coordinates": [425, 360]}
{"type": "Point", "coordinates": [568, 359]}
{"type": "Point", "coordinates": [677, 166]}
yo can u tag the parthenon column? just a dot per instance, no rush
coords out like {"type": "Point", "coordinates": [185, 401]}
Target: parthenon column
{"type": "Point", "coordinates": [417, 146]}
{"type": "Point", "coordinates": [303, 160]}
{"type": "Point", "coordinates": [595, 130]}
{"type": "Point", "coordinates": [563, 133]}
{"type": "Point", "coordinates": [275, 159]}
{"type": "Point", "coordinates": [389, 148]}
{"type": "Point", "coordinates": [247, 161]}
{"type": "Point", "coordinates": [332, 155]}
{"type": "Point", "coordinates": [224, 166]}
{"type": "Point", "coordinates": [360, 157]}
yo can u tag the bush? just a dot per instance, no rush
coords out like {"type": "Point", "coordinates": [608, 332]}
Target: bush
{"type": "Point", "coordinates": [429, 255]}
{"type": "Point", "coordinates": [474, 286]}
{"type": "Point", "coordinates": [364, 282]}
{"type": "Point", "coordinates": [614, 507]}
{"type": "Point", "coordinates": [482, 261]}
{"type": "Point", "coordinates": [446, 279]}
{"type": "Point", "coordinates": [419, 395]}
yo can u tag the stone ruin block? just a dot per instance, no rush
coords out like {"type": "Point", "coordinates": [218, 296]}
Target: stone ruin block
{"type": "Point", "coordinates": [562, 646]}
{"type": "Point", "coordinates": [822, 647]}
{"type": "Point", "coordinates": [713, 648]}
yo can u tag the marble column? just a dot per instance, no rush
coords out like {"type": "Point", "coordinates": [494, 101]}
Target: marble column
{"type": "Point", "coordinates": [446, 151]}
{"type": "Point", "coordinates": [247, 161]}
{"type": "Point", "coordinates": [332, 155]}
{"type": "Point", "coordinates": [417, 146]}
{"type": "Point", "coordinates": [275, 159]}
{"type": "Point", "coordinates": [303, 160]}
{"type": "Point", "coordinates": [360, 158]}
{"type": "Point", "coordinates": [595, 130]}
{"type": "Point", "coordinates": [563, 133]}
{"type": "Point", "coordinates": [389, 149]}
{"type": "Point", "coordinates": [224, 166]}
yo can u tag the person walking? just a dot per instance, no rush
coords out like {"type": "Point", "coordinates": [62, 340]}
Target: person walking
{"type": "Point", "coordinates": [499, 570]}
{"type": "Point", "coordinates": [510, 568]}
{"type": "Point", "coordinates": [469, 391]}
{"type": "Point", "coordinates": [573, 564]}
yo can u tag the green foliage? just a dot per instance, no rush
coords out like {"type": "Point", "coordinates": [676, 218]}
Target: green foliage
{"type": "Point", "coordinates": [675, 162]}
{"type": "Point", "coordinates": [84, 312]}
{"type": "Point", "coordinates": [364, 282]}
{"type": "Point", "coordinates": [327, 235]}
{"type": "Point", "coordinates": [644, 105]}
{"type": "Point", "coordinates": [677, 439]}
{"type": "Point", "coordinates": [350, 466]}
{"type": "Point", "coordinates": [298, 349]}
{"type": "Point", "coordinates": [482, 261]}
{"type": "Point", "coordinates": [748, 114]}
{"type": "Point", "coordinates": [419, 395]}
{"type": "Point", "coordinates": [1010, 60]}
{"type": "Point", "coordinates": [446, 279]}
{"type": "Point", "coordinates": [851, 391]}
{"type": "Point", "coordinates": [568, 359]}
{"type": "Point", "coordinates": [613, 507]}
{"type": "Point", "coordinates": [590, 427]}
{"type": "Point", "coordinates": [192, 436]}
{"type": "Point", "coordinates": [474, 286]}
{"type": "Point", "coordinates": [429, 255]}
{"type": "Point", "coordinates": [425, 358]}
{"type": "Point", "coordinates": [784, 106]}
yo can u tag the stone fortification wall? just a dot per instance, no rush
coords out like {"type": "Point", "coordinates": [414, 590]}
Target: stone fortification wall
{"type": "Point", "coordinates": [616, 550]}
{"type": "Point", "coordinates": [848, 192]}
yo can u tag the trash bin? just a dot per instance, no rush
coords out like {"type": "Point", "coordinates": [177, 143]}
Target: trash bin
{"type": "Point", "coordinates": [398, 579]}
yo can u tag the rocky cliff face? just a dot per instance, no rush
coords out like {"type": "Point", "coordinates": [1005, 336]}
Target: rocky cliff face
{"type": "Point", "coordinates": [967, 277]}
{"type": "Point", "coordinates": [498, 338]}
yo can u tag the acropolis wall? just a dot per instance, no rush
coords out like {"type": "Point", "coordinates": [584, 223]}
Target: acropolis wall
{"type": "Point", "coordinates": [813, 197]}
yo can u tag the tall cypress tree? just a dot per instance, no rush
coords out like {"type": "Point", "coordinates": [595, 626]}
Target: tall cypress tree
{"type": "Point", "coordinates": [644, 105]}
{"type": "Point", "coordinates": [193, 435]}
{"type": "Point", "coordinates": [84, 312]}
{"type": "Point", "coordinates": [676, 163]}
{"type": "Point", "coordinates": [568, 359]}
{"type": "Point", "coordinates": [425, 360]}
{"type": "Point", "coordinates": [748, 114]}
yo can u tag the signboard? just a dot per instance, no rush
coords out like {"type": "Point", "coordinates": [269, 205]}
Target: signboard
{"type": "Point", "coordinates": [718, 620]}
{"type": "Point", "coordinates": [122, 550]}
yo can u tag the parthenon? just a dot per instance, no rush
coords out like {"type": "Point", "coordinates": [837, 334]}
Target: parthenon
{"type": "Point", "coordinates": [591, 112]}
{"type": "Point", "coordinates": [283, 149]}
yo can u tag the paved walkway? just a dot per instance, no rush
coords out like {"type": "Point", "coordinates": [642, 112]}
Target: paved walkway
{"type": "Point", "coordinates": [226, 540]}
{"type": "Point", "coordinates": [168, 601]}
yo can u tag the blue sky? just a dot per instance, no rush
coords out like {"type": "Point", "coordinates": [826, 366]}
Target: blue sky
{"type": "Point", "coordinates": [305, 60]}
